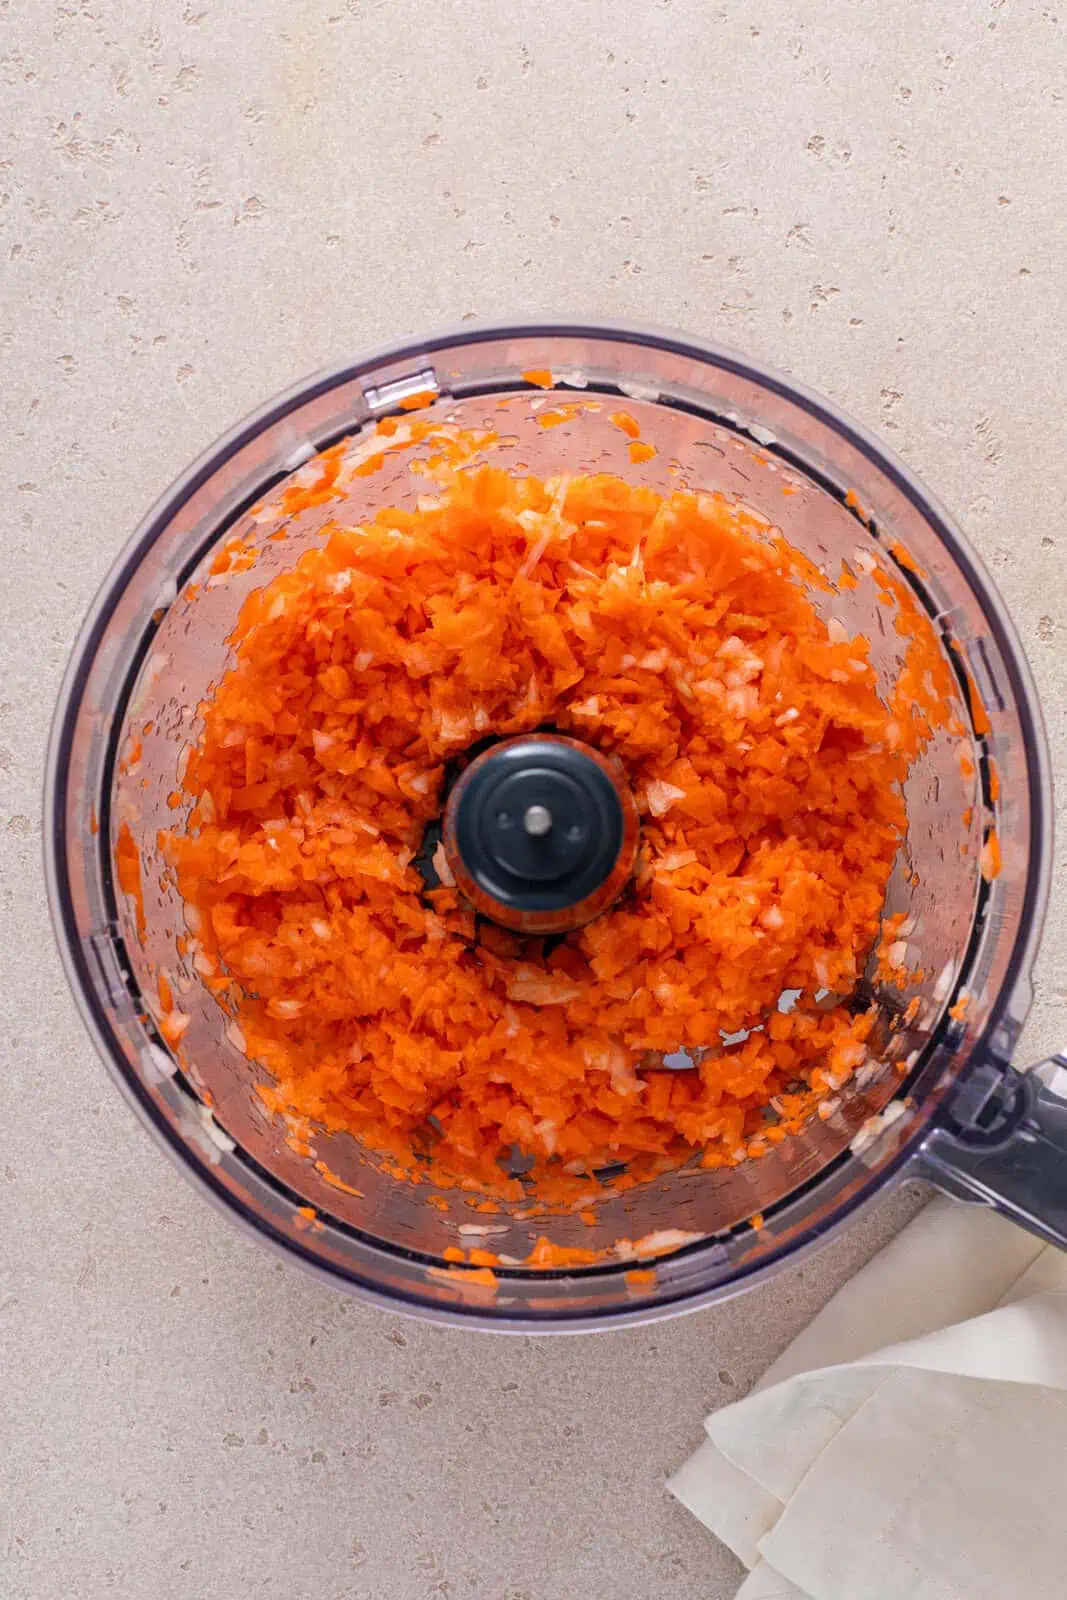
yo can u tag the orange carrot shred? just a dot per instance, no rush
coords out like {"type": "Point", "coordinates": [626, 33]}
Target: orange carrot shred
{"type": "Point", "coordinates": [545, 1254]}
{"type": "Point", "coordinates": [904, 558]}
{"type": "Point", "coordinates": [483, 1258]}
{"type": "Point", "coordinates": [483, 1275]}
{"type": "Point", "coordinates": [990, 858]}
{"type": "Point", "coordinates": [417, 402]}
{"type": "Point", "coordinates": [852, 500]}
{"type": "Point", "coordinates": [979, 715]}
{"type": "Point", "coordinates": [128, 871]}
{"type": "Point", "coordinates": [473, 1277]}
{"type": "Point", "coordinates": [629, 424]}
{"type": "Point", "coordinates": [336, 1182]}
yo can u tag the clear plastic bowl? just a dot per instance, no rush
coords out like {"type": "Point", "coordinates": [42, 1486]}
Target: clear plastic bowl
{"type": "Point", "coordinates": [943, 1101]}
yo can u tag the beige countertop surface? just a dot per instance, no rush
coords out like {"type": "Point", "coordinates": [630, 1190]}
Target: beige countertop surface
{"type": "Point", "coordinates": [201, 202]}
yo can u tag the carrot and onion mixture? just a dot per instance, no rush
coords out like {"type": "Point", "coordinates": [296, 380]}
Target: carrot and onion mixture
{"type": "Point", "coordinates": [675, 632]}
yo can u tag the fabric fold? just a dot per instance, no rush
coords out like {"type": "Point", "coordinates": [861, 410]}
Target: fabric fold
{"type": "Point", "coordinates": [904, 1444]}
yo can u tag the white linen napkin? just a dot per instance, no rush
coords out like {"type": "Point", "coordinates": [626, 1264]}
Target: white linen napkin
{"type": "Point", "coordinates": [912, 1441]}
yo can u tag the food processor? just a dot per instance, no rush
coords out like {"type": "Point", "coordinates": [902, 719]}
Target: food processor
{"type": "Point", "coordinates": [939, 1097]}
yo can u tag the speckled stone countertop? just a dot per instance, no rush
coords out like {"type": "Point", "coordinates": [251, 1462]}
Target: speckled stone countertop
{"type": "Point", "coordinates": [201, 202]}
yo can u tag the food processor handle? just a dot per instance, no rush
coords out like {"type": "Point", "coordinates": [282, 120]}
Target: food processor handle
{"type": "Point", "coordinates": [1004, 1142]}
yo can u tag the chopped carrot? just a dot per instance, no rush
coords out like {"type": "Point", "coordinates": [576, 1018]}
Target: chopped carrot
{"type": "Point", "coordinates": [307, 1220]}
{"type": "Point", "coordinates": [545, 1254]}
{"type": "Point", "coordinates": [641, 1278]}
{"type": "Point", "coordinates": [483, 1258]}
{"type": "Point", "coordinates": [334, 1181]}
{"type": "Point", "coordinates": [990, 861]}
{"type": "Point", "coordinates": [417, 402]}
{"type": "Point", "coordinates": [979, 714]}
{"type": "Point", "coordinates": [172, 1025]}
{"type": "Point", "coordinates": [629, 424]}
{"type": "Point", "coordinates": [473, 1277]}
{"type": "Point", "coordinates": [903, 558]}
{"type": "Point", "coordinates": [671, 632]}
{"type": "Point", "coordinates": [540, 377]}
{"type": "Point", "coordinates": [482, 1275]}
{"type": "Point", "coordinates": [639, 451]}
{"type": "Point", "coordinates": [128, 871]}
{"type": "Point", "coordinates": [852, 500]}
{"type": "Point", "coordinates": [994, 782]}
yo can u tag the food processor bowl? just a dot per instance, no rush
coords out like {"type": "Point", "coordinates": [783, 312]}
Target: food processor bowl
{"type": "Point", "coordinates": [938, 1097]}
